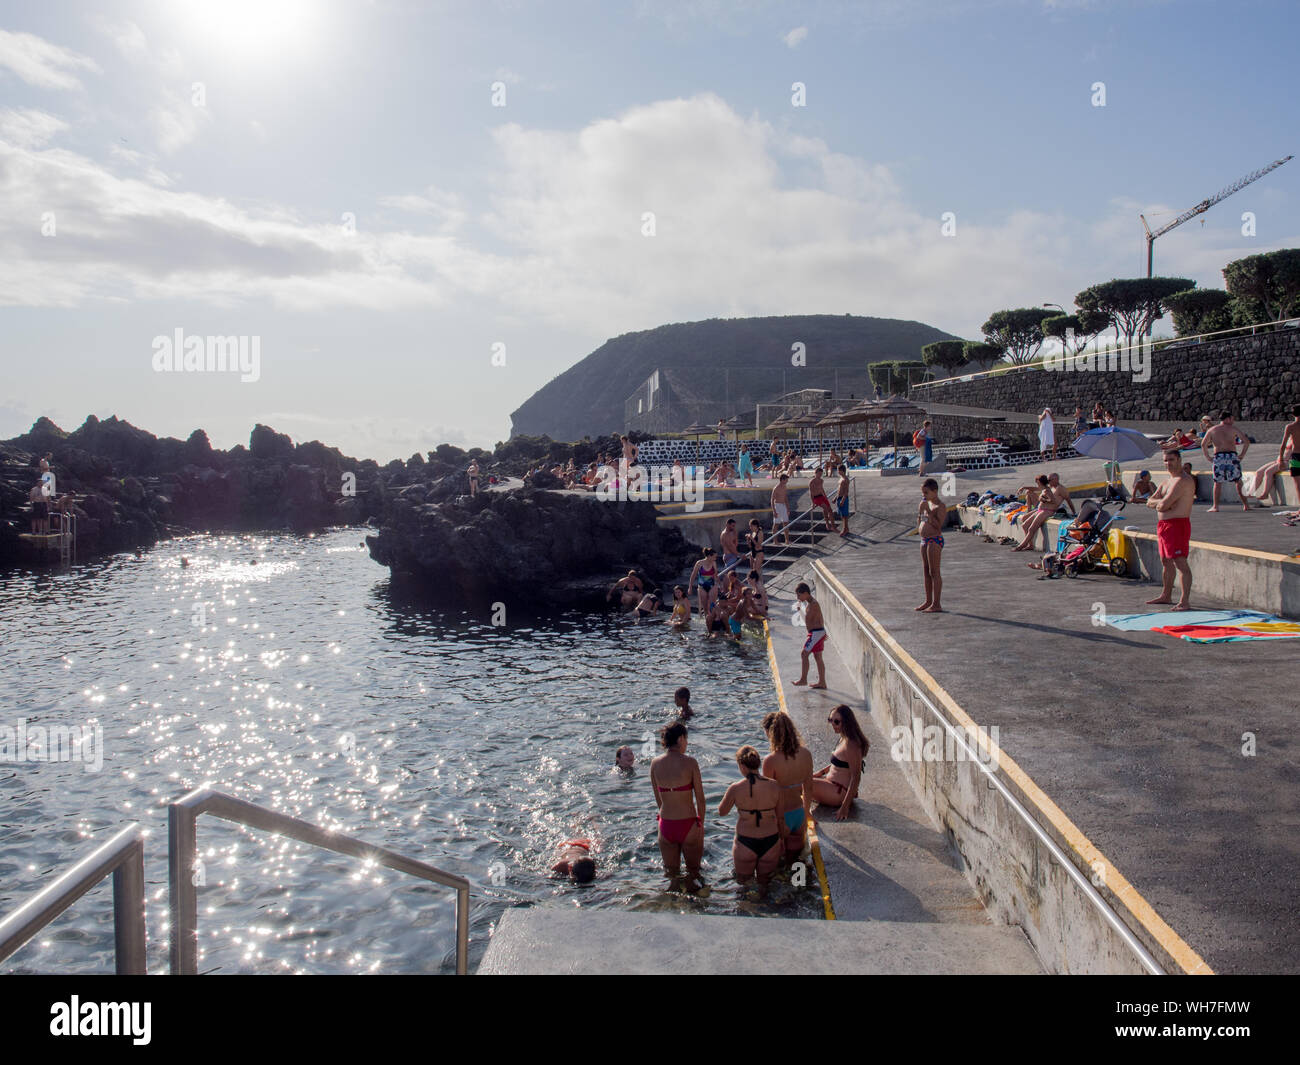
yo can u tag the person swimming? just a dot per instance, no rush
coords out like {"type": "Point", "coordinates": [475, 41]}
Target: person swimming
{"type": "Point", "coordinates": [791, 765]}
{"type": "Point", "coordinates": [759, 831]}
{"type": "Point", "coordinates": [625, 757]}
{"type": "Point", "coordinates": [576, 861]}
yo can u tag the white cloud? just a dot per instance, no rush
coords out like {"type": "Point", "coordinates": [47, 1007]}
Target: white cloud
{"type": "Point", "coordinates": [40, 63]}
{"type": "Point", "coordinates": [176, 122]}
{"type": "Point", "coordinates": [796, 36]}
{"type": "Point", "coordinates": [126, 37]}
{"type": "Point", "coordinates": [28, 128]}
{"type": "Point", "coordinates": [750, 219]}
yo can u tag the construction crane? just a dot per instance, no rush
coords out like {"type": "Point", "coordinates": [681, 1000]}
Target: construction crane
{"type": "Point", "coordinates": [1204, 206]}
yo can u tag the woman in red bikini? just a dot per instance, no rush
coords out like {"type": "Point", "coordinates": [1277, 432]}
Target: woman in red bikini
{"type": "Point", "coordinates": [837, 784]}
{"type": "Point", "coordinates": [679, 795]}
{"type": "Point", "coordinates": [760, 830]}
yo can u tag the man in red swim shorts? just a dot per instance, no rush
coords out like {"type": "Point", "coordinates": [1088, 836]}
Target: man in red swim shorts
{"type": "Point", "coordinates": [1173, 500]}
{"type": "Point", "coordinates": [817, 493]}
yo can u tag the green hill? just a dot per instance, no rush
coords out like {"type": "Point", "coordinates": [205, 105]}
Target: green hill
{"type": "Point", "coordinates": [749, 358]}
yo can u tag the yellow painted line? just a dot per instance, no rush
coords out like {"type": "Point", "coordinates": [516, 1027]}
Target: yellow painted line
{"type": "Point", "coordinates": [813, 842]}
{"type": "Point", "coordinates": [1173, 944]}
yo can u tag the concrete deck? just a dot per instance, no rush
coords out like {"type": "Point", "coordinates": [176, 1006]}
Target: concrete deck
{"type": "Point", "coordinates": [890, 862]}
{"type": "Point", "coordinates": [1137, 737]}
{"type": "Point", "coordinates": [553, 940]}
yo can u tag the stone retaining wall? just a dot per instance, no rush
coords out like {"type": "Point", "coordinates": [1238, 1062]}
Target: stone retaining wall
{"type": "Point", "coordinates": [1256, 377]}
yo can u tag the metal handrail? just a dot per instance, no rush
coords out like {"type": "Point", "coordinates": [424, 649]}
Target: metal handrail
{"type": "Point", "coordinates": [123, 857]}
{"type": "Point", "coordinates": [182, 818]}
{"type": "Point", "coordinates": [1158, 345]}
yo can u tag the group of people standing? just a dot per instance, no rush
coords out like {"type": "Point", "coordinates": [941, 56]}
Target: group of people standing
{"type": "Point", "coordinates": [773, 798]}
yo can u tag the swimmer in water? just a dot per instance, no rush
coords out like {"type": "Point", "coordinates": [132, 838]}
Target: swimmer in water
{"type": "Point", "coordinates": [649, 604]}
{"type": "Point", "coordinates": [760, 830]}
{"type": "Point", "coordinates": [679, 798]}
{"type": "Point", "coordinates": [681, 616]}
{"type": "Point", "coordinates": [624, 757]}
{"type": "Point", "coordinates": [682, 700]}
{"type": "Point", "coordinates": [184, 561]}
{"type": "Point", "coordinates": [576, 861]}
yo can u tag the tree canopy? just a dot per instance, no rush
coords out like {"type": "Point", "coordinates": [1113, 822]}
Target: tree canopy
{"type": "Point", "coordinates": [981, 354]}
{"type": "Point", "coordinates": [1132, 304]}
{"type": "Point", "coordinates": [1266, 287]}
{"type": "Point", "coordinates": [1083, 327]}
{"type": "Point", "coordinates": [948, 354]}
{"type": "Point", "coordinates": [1200, 310]}
{"type": "Point", "coordinates": [1018, 332]}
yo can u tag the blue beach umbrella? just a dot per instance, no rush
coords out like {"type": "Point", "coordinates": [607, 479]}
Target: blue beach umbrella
{"type": "Point", "coordinates": [1116, 444]}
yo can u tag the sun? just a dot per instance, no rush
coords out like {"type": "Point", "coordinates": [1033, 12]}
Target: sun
{"type": "Point", "coordinates": [251, 29]}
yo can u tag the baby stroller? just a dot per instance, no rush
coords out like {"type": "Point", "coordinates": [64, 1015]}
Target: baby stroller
{"type": "Point", "coordinates": [1081, 544]}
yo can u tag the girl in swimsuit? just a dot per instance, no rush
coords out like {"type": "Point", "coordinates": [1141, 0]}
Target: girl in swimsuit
{"type": "Point", "coordinates": [791, 765]}
{"type": "Point", "coordinates": [702, 578]}
{"type": "Point", "coordinates": [681, 616]}
{"type": "Point", "coordinates": [679, 796]}
{"type": "Point", "coordinates": [837, 784]}
{"type": "Point", "coordinates": [759, 829]}
{"type": "Point", "coordinates": [754, 539]}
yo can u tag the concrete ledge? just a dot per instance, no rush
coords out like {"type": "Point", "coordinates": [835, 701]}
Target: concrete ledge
{"type": "Point", "coordinates": [1080, 914]}
{"type": "Point", "coordinates": [553, 940]}
{"type": "Point", "coordinates": [1255, 580]}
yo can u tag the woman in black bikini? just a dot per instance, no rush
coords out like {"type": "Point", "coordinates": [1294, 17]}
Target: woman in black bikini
{"type": "Point", "coordinates": [754, 542]}
{"type": "Point", "coordinates": [760, 831]}
{"type": "Point", "coordinates": [837, 784]}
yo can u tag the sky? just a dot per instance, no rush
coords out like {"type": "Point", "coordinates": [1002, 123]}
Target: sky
{"type": "Point", "coordinates": [420, 213]}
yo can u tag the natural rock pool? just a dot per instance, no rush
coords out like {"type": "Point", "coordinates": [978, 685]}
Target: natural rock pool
{"type": "Point", "coordinates": [303, 684]}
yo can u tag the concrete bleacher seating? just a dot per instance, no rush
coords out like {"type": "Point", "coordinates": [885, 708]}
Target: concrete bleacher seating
{"type": "Point", "coordinates": [973, 456]}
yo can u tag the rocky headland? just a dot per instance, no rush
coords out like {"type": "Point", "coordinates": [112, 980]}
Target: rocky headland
{"type": "Point", "coordinates": [130, 489]}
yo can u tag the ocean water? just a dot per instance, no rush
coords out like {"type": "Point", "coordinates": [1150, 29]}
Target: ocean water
{"type": "Point", "coordinates": [286, 671]}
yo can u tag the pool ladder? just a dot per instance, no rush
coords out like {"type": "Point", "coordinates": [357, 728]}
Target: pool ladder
{"type": "Point", "coordinates": [123, 858]}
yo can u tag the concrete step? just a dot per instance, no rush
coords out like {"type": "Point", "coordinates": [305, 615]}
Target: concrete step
{"type": "Point", "coordinates": [557, 939]}
{"type": "Point", "coordinates": [700, 508]}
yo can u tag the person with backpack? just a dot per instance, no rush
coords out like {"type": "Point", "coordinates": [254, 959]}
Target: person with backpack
{"type": "Point", "coordinates": [923, 441]}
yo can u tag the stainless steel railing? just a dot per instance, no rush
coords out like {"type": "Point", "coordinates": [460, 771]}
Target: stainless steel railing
{"type": "Point", "coordinates": [182, 828]}
{"type": "Point", "coordinates": [123, 857]}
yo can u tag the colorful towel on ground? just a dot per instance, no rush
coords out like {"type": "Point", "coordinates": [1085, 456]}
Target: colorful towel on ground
{"type": "Point", "coordinates": [1209, 626]}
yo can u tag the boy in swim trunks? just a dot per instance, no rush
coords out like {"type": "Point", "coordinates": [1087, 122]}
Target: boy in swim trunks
{"type": "Point", "coordinates": [1227, 460]}
{"type": "Point", "coordinates": [1173, 502]}
{"type": "Point", "coordinates": [815, 642]}
{"type": "Point", "coordinates": [817, 493]}
{"type": "Point", "coordinates": [930, 516]}
{"type": "Point", "coordinates": [842, 499]}
{"type": "Point", "coordinates": [781, 508]}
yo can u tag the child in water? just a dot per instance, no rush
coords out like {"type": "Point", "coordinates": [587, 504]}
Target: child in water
{"type": "Point", "coordinates": [575, 861]}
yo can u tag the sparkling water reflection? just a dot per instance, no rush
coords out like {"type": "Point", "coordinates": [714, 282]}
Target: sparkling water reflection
{"type": "Point", "coordinates": [284, 670]}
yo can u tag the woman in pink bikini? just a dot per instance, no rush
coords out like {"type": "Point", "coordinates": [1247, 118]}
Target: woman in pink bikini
{"type": "Point", "coordinates": [679, 796]}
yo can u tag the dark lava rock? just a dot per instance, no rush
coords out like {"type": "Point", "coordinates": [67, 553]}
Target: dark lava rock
{"type": "Point", "coordinates": [528, 547]}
